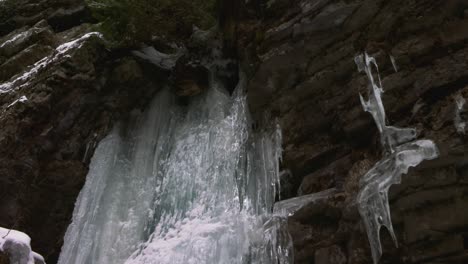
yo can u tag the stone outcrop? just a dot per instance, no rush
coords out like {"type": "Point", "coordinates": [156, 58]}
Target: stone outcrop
{"type": "Point", "coordinates": [62, 88]}
{"type": "Point", "coordinates": [299, 59]}
{"type": "Point", "coordinates": [61, 91]}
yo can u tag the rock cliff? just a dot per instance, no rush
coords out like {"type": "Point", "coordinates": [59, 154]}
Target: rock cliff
{"type": "Point", "coordinates": [299, 56]}
{"type": "Point", "coordinates": [63, 86]}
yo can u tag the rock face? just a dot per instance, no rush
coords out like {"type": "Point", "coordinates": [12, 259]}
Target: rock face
{"type": "Point", "coordinates": [299, 59]}
{"type": "Point", "coordinates": [62, 89]}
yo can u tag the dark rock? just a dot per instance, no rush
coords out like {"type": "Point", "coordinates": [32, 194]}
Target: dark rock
{"type": "Point", "coordinates": [301, 71]}
{"type": "Point", "coordinates": [46, 141]}
{"type": "Point", "coordinates": [191, 77]}
{"type": "Point", "coordinates": [330, 255]}
{"type": "Point", "coordinates": [4, 258]}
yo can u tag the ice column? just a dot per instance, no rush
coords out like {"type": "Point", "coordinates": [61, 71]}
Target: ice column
{"type": "Point", "coordinates": [182, 184]}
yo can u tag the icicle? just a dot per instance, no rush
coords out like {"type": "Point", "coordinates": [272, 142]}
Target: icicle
{"type": "Point", "coordinates": [460, 124]}
{"type": "Point", "coordinates": [372, 198]}
{"type": "Point", "coordinates": [389, 136]}
{"type": "Point", "coordinates": [395, 67]}
{"type": "Point", "coordinates": [290, 206]}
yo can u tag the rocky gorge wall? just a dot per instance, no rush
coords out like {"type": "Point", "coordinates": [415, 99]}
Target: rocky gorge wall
{"type": "Point", "coordinates": [298, 57]}
{"type": "Point", "coordinates": [62, 90]}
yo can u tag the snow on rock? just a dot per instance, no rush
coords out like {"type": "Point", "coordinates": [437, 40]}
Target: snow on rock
{"type": "Point", "coordinates": [460, 124]}
{"type": "Point", "coordinates": [17, 245]}
{"type": "Point", "coordinates": [22, 99]}
{"type": "Point", "coordinates": [44, 62]}
{"type": "Point", "coordinates": [399, 156]}
{"type": "Point", "coordinates": [162, 60]}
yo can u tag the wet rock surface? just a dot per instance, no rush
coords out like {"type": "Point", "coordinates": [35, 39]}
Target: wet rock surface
{"type": "Point", "coordinates": [61, 91]}
{"type": "Point", "coordinates": [299, 59]}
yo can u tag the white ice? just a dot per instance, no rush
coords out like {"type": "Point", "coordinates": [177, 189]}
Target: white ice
{"type": "Point", "coordinates": [162, 60]}
{"type": "Point", "coordinates": [17, 245]}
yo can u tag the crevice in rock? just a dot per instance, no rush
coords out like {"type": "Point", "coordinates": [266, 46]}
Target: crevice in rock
{"type": "Point", "coordinates": [63, 20]}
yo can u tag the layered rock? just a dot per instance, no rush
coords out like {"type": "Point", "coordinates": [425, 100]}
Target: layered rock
{"type": "Point", "coordinates": [299, 56]}
{"type": "Point", "coordinates": [57, 100]}
{"type": "Point", "coordinates": [62, 90]}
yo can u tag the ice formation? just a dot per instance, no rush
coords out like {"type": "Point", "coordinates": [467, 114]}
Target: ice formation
{"type": "Point", "coordinates": [460, 124]}
{"type": "Point", "coordinates": [18, 247]}
{"type": "Point", "coordinates": [290, 206]}
{"type": "Point", "coordinates": [389, 136]}
{"type": "Point", "coordinates": [399, 156]}
{"type": "Point", "coordinates": [181, 184]}
{"type": "Point", "coordinates": [162, 60]}
{"type": "Point", "coordinates": [395, 67]}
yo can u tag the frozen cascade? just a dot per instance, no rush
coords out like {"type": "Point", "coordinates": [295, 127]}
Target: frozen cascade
{"type": "Point", "coordinates": [401, 153]}
{"type": "Point", "coordinates": [180, 184]}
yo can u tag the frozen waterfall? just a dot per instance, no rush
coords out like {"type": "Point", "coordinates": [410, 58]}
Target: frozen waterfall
{"type": "Point", "coordinates": [182, 184]}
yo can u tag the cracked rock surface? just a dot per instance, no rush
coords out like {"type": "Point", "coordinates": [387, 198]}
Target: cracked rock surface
{"type": "Point", "coordinates": [299, 57]}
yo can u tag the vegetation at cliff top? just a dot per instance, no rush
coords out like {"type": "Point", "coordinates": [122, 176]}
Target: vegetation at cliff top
{"type": "Point", "coordinates": [128, 22]}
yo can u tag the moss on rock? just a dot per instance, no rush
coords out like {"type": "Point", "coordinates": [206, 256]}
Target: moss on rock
{"type": "Point", "coordinates": [129, 22]}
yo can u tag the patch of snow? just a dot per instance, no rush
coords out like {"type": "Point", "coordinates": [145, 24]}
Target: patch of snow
{"type": "Point", "coordinates": [162, 60]}
{"type": "Point", "coordinates": [460, 124]}
{"type": "Point", "coordinates": [41, 64]}
{"type": "Point", "coordinates": [22, 99]}
{"type": "Point", "coordinates": [16, 37]}
{"type": "Point", "coordinates": [389, 136]}
{"type": "Point", "coordinates": [395, 67]}
{"type": "Point", "coordinates": [18, 247]}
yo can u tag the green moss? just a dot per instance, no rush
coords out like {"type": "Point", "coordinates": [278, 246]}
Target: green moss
{"type": "Point", "coordinates": [128, 22]}
{"type": "Point", "coordinates": [7, 8]}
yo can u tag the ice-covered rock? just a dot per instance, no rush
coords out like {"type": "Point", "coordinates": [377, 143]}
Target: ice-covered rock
{"type": "Point", "coordinates": [460, 124]}
{"type": "Point", "coordinates": [17, 245]}
{"type": "Point", "coordinates": [60, 52]}
{"type": "Point", "coordinates": [162, 60]}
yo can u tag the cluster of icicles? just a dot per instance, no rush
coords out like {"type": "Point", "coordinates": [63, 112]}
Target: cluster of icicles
{"type": "Point", "coordinates": [182, 184]}
{"type": "Point", "coordinates": [401, 151]}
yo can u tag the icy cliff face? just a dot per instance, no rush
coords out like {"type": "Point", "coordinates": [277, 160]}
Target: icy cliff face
{"type": "Point", "coordinates": [372, 199]}
{"type": "Point", "coordinates": [181, 185]}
